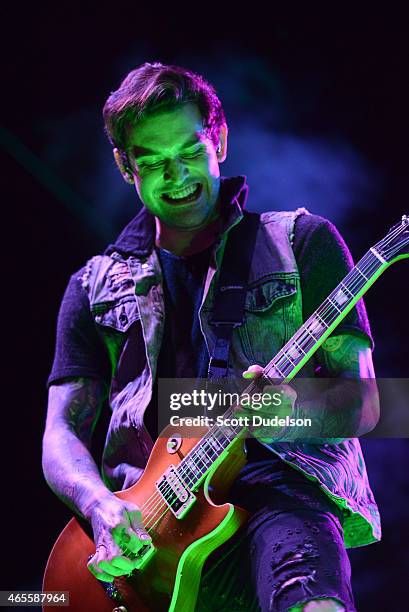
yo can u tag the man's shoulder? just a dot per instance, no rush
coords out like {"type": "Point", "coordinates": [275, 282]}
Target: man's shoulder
{"type": "Point", "coordinates": [275, 216]}
{"type": "Point", "coordinates": [96, 266]}
{"type": "Point", "coordinates": [301, 217]}
{"type": "Point", "coordinates": [81, 275]}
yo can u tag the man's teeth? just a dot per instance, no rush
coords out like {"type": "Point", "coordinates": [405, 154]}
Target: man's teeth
{"type": "Point", "coordinates": [182, 193]}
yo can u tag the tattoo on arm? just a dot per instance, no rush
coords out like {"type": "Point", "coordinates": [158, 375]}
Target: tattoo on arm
{"type": "Point", "coordinates": [346, 354]}
{"type": "Point", "coordinates": [73, 410]}
{"type": "Point", "coordinates": [84, 406]}
{"type": "Point", "coordinates": [351, 403]}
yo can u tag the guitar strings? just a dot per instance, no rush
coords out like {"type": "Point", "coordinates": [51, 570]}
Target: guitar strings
{"type": "Point", "coordinates": [153, 514]}
{"type": "Point", "coordinates": [184, 465]}
{"type": "Point", "coordinates": [189, 482]}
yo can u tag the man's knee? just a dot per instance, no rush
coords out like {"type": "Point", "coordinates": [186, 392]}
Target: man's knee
{"type": "Point", "coordinates": [319, 605]}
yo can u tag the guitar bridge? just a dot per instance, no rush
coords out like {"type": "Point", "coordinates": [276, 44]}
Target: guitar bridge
{"type": "Point", "coordinates": [142, 556]}
{"type": "Point", "coordinates": [174, 492]}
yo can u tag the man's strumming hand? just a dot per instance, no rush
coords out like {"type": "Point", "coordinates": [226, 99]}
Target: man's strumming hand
{"type": "Point", "coordinates": [118, 531]}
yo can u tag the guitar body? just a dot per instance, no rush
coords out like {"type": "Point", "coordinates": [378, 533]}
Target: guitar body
{"type": "Point", "coordinates": [170, 578]}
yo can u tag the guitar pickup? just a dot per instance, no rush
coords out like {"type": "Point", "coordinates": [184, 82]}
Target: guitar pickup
{"type": "Point", "coordinates": [175, 492]}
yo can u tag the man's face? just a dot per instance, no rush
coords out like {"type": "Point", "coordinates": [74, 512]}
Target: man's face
{"type": "Point", "coordinates": [175, 166]}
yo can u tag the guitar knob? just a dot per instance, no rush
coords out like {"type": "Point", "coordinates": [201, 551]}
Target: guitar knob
{"type": "Point", "coordinates": [174, 443]}
{"type": "Point", "coordinates": [120, 609]}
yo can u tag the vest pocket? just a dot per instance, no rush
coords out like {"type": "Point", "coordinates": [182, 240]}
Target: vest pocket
{"type": "Point", "coordinates": [268, 309]}
{"type": "Point", "coordinates": [118, 314]}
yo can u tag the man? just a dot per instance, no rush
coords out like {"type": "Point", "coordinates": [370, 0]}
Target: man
{"type": "Point", "coordinates": [308, 501]}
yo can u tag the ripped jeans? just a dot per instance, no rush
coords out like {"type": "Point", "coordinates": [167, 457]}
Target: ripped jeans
{"type": "Point", "coordinates": [280, 559]}
{"type": "Point", "coordinates": [289, 552]}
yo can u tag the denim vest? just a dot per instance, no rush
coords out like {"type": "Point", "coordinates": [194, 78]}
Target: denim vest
{"type": "Point", "coordinates": [127, 303]}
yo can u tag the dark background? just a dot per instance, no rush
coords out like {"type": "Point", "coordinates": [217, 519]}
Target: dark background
{"type": "Point", "coordinates": [316, 100]}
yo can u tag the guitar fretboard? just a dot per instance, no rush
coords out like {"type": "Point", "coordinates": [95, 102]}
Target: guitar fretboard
{"type": "Point", "coordinates": [334, 308]}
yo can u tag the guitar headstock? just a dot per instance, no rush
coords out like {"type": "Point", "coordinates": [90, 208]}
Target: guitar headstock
{"type": "Point", "coordinates": [395, 245]}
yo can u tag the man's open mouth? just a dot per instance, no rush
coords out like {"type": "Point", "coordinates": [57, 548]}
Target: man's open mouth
{"type": "Point", "coordinates": [183, 196]}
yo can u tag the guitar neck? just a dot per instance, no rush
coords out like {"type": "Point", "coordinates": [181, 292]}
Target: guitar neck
{"type": "Point", "coordinates": [300, 348]}
{"type": "Point", "coordinates": [212, 448]}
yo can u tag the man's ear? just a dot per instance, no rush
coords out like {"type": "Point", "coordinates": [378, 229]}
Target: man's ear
{"type": "Point", "coordinates": [222, 147]}
{"type": "Point", "coordinates": [122, 163]}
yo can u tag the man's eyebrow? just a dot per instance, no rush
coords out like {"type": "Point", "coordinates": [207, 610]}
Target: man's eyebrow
{"type": "Point", "coordinates": [142, 151]}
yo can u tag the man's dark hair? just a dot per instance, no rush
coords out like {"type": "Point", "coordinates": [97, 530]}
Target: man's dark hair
{"type": "Point", "coordinates": [151, 87]}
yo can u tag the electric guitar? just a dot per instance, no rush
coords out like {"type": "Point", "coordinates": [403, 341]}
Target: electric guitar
{"type": "Point", "coordinates": [185, 521]}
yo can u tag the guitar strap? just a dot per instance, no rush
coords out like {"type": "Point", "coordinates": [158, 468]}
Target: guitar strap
{"type": "Point", "coordinates": [231, 289]}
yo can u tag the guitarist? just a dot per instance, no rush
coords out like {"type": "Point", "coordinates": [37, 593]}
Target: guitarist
{"type": "Point", "coordinates": [308, 502]}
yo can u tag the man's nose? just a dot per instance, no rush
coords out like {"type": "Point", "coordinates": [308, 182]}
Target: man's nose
{"type": "Point", "coordinates": [175, 171]}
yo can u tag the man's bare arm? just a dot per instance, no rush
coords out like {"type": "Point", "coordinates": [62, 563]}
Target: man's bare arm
{"type": "Point", "coordinates": [71, 472]}
{"type": "Point", "coordinates": [348, 358]}
{"type": "Point", "coordinates": [346, 355]}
